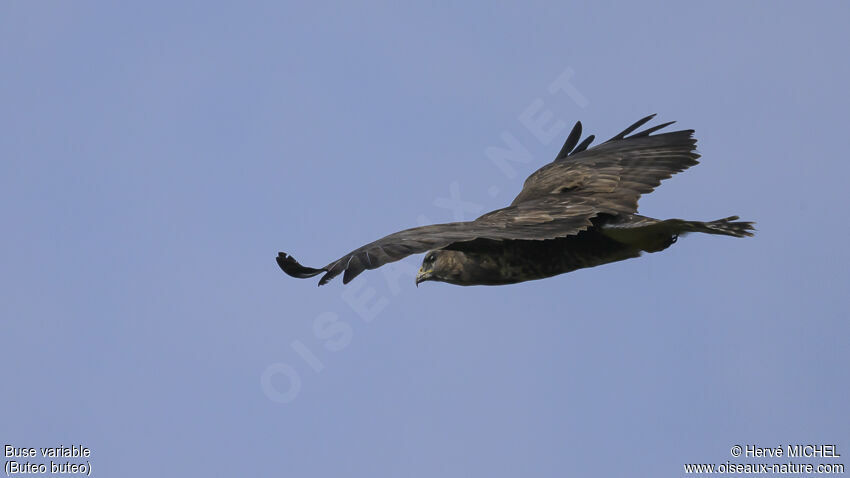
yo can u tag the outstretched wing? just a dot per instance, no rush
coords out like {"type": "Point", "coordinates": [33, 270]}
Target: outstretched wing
{"type": "Point", "coordinates": [544, 218]}
{"type": "Point", "coordinates": [615, 173]}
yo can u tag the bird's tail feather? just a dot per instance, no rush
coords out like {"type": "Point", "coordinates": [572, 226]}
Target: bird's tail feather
{"type": "Point", "coordinates": [729, 226]}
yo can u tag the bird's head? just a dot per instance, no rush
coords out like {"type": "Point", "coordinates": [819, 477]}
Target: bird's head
{"type": "Point", "coordinates": [461, 268]}
{"type": "Point", "coordinates": [442, 265]}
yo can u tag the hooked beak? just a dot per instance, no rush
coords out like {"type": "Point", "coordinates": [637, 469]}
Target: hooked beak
{"type": "Point", "coordinates": [422, 276]}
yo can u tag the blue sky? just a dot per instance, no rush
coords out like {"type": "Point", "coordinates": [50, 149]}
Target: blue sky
{"type": "Point", "coordinates": [157, 156]}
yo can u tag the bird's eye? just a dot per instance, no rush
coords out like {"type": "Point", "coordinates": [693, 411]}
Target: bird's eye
{"type": "Point", "coordinates": [430, 258]}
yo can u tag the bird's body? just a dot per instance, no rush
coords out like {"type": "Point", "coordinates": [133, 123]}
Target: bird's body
{"type": "Point", "coordinates": [509, 262]}
{"type": "Point", "coordinates": [610, 239]}
{"type": "Point", "coordinates": [578, 211]}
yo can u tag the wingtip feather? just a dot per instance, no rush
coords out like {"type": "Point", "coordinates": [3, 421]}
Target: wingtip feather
{"type": "Point", "coordinates": [633, 127]}
{"type": "Point", "coordinates": [571, 141]}
{"type": "Point", "coordinates": [292, 268]}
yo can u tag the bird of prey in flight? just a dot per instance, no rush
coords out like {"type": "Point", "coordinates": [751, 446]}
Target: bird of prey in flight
{"type": "Point", "coordinates": [578, 211]}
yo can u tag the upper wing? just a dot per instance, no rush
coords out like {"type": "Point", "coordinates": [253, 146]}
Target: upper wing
{"type": "Point", "coordinates": [543, 218]}
{"type": "Point", "coordinates": [615, 173]}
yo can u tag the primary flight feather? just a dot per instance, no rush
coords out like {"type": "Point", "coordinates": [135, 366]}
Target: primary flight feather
{"type": "Point", "coordinates": [577, 211]}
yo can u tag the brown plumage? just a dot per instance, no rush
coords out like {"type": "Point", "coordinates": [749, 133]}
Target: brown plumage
{"type": "Point", "coordinates": [577, 211]}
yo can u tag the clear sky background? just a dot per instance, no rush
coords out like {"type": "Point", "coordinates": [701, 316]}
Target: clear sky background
{"type": "Point", "coordinates": [156, 156]}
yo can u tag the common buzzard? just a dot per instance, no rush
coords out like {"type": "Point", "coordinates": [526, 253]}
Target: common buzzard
{"type": "Point", "coordinates": [577, 211]}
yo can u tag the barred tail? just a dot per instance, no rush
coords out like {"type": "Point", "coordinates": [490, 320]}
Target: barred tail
{"type": "Point", "coordinates": [729, 226]}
